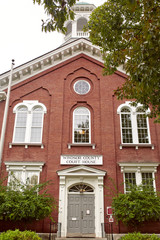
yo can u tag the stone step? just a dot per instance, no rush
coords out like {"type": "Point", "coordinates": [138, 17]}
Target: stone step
{"type": "Point", "coordinates": [78, 238]}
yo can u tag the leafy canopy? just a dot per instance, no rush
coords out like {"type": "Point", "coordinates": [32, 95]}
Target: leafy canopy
{"type": "Point", "coordinates": [128, 33]}
{"type": "Point", "coordinates": [58, 12]}
{"type": "Point", "coordinates": [21, 202]}
{"type": "Point", "coordinates": [141, 204]}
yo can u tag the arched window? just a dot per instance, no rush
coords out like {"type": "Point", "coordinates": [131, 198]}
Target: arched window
{"type": "Point", "coordinates": [142, 127]}
{"type": "Point", "coordinates": [81, 22]}
{"type": "Point", "coordinates": [81, 188]}
{"type": "Point", "coordinates": [28, 122]}
{"type": "Point", "coordinates": [69, 28]}
{"type": "Point", "coordinates": [126, 125]}
{"type": "Point", "coordinates": [81, 125]}
{"type": "Point", "coordinates": [134, 124]}
{"type": "Point", "coordinates": [20, 124]}
{"type": "Point", "coordinates": [36, 127]}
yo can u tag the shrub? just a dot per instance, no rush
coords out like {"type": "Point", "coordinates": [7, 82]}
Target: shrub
{"type": "Point", "coordinates": [138, 206]}
{"type": "Point", "coordinates": [32, 203]}
{"type": "Point", "coordinates": [18, 235]}
{"type": "Point", "coordinates": [139, 236]}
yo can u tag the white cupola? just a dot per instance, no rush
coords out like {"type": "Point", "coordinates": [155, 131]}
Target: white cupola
{"type": "Point", "coordinates": [74, 27]}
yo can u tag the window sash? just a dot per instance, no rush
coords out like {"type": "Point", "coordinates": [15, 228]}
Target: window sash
{"type": "Point", "coordinates": [134, 128]}
{"type": "Point", "coordinates": [29, 178]}
{"type": "Point", "coordinates": [130, 181]}
{"type": "Point", "coordinates": [20, 126]}
{"type": "Point", "coordinates": [142, 128]}
{"type": "Point", "coordinates": [28, 126]}
{"type": "Point", "coordinates": [81, 125]}
{"type": "Point", "coordinates": [138, 178]}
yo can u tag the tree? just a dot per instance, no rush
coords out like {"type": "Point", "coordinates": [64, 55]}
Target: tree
{"type": "Point", "coordinates": [58, 11]}
{"type": "Point", "coordinates": [141, 204]}
{"type": "Point", "coordinates": [21, 202]}
{"type": "Point", "coordinates": [128, 33]}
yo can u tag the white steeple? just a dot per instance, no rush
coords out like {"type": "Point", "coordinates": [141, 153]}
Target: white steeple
{"type": "Point", "coordinates": [74, 27]}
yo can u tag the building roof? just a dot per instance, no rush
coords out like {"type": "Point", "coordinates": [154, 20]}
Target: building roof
{"type": "Point", "coordinates": [50, 59]}
{"type": "Point", "coordinates": [83, 3]}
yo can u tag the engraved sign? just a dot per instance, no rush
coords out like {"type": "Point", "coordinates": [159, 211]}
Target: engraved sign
{"type": "Point", "coordinates": [81, 160]}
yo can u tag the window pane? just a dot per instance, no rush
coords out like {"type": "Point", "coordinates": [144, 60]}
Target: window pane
{"type": "Point", "coordinates": [142, 128]}
{"type": "Point", "coordinates": [21, 119]}
{"type": "Point", "coordinates": [36, 134]}
{"type": "Point", "coordinates": [37, 119]}
{"type": "Point", "coordinates": [147, 180]}
{"type": "Point", "coordinates": [20, 126]}
{"type": "Point", "coordinates": [15, 180]}
{"type": "Point", "coordinates": [31, 178]}
{"type": "Point", "coordinates": [36, 129]}
{"type": "Point", "coordinates": [126, 128]}
{"type": "Point", "coordinates": [130, 180]}
{"type": "Point", "coordinates": [81, 125]}
{"type": "Point", "coordinates": [20, 134]}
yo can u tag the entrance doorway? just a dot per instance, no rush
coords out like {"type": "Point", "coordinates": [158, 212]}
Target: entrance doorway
{"type": "Point", "coordinates": [81, 211]}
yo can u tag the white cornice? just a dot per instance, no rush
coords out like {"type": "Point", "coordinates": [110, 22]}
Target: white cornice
{"type": "Point", "coordinates": [32, 166]}
{"type": "Point", "coordinates": [81, 171]}
{"type": "Point", "coordinates": [51, 59]}
{"type": "Point", "coordinates": [138, 167]}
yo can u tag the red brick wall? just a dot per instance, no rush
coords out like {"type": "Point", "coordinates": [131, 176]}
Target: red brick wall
{"type": "Point", "coordinates": [54, 88]}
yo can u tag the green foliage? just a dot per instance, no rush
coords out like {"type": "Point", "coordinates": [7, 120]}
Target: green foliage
{"type": "Point", "coordinates": [18, 235]}
{"type": "Point", "coordinates": [21, 202]}
{"type": "Point", "coordinates": [139, 236]}
{"type": "Point", "coordinates": [128, 33]}
{"type": "Point", "coordinates": [136, 207]}
{"type": "Point", "coordinates": [58, 12]}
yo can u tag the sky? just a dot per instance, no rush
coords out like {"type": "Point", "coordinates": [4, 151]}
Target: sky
{"type": "Point", "coordinates": [21, 37]}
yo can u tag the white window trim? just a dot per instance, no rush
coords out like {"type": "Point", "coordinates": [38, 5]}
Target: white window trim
{"type": "Point", "coordinates": [24, 167]}
{"type": "Point", "coordinates": [133, 113]}
{"type": "Point", "coordinates": [138, 169]}
{"type": "Point", "coordinates": [83, 143]}
{"type": "Point", "coordinates": [30, 106]}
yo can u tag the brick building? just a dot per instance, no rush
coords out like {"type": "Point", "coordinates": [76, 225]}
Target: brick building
{"type": "Point", "coordinates": [65, 124]}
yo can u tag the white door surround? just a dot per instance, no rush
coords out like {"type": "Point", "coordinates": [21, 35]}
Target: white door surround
{"type": "Point", "coordinates": [81, 174]}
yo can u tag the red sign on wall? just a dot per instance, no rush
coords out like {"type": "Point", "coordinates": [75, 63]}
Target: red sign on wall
{"type": "Point", "coordinates": [109, 211]}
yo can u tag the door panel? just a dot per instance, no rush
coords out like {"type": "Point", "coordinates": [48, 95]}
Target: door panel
{"type": "Point", "coordinates": [88, 220]}
{"type": "Point", "coordinates": [74, 214]}
{"type": "Point", "coordinates": [81, 219]}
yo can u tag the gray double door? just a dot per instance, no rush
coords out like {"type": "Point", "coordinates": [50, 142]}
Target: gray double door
{"type": "Point", "coordinates": [81, 215]}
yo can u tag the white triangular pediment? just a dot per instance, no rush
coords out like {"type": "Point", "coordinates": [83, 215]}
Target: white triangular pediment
{"type": "Point", "coordinates": [81, 171]}
{"type": "Point", "coordinates": [51, 59]}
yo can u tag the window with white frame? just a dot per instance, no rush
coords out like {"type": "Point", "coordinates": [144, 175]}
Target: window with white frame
{"type": "Point", "coordinates": [81, 125]}
{"type": "Point", "coordinates": [134, 124]}
{"type": "Point", "coordinates": [28, 126]}
{"type": "Point", "coordinates": [27, 173]}
{"type": "Point", "coordinates": [129, 180]}
{"type": "Point", "coordinates": [138, 174]}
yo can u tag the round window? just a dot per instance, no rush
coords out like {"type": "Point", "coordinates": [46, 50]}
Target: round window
{"type": "Point", "coordinates": [81, 87]}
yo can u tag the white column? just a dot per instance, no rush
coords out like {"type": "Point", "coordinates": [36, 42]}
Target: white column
{"type": "Point", "coordinates": [100, 215]}
{"type": "Point", "coordinates": [61, 216]}
{"type": "Point", "coordinates": [138, 176]}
